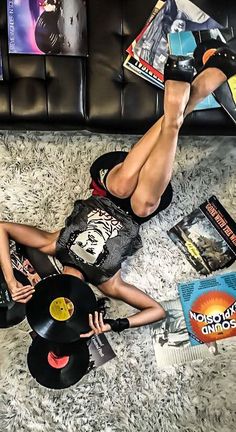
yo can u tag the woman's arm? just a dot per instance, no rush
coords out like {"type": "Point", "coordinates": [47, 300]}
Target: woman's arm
{"type": "Point", "coordinates": [150, 310]}
{"type": "Point", "coordinates": [28, 236]}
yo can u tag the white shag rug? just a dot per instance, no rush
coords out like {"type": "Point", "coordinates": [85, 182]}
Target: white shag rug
{"type": "Point", "coordinates": [41, 176]}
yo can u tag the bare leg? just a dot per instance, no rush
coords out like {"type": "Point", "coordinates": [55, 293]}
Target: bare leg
{"type": "Point", "coordinates": [123, 179]}
{"type": "Point", "coordinates": [203, 85]}
{"type": "Point", "coordinates": [156, 172]}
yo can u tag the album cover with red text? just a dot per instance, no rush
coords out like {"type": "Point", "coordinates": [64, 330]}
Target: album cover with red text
{"type": "Point", "coordinates": [209, 307]}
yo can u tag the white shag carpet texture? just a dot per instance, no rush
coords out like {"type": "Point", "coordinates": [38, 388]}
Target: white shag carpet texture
{"type": "Point", "coordinates": [42, 174]}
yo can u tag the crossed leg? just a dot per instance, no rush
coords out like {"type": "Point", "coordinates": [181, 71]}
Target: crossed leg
{"type": "Point", "coordinates": [147, 169]}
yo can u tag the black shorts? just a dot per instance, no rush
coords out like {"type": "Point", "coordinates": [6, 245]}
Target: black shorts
{"type": "Point", "coordinates": [99, 171]}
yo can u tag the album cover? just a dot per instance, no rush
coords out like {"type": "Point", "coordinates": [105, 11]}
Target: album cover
{"type": "Point", "coordinates": [226, 96]}
{"type": "Point", "coordinates": [100, 351]}
{"type": "Point", "coordinates": [151, 45]}
{"type": "Point", "coordinates": [21, 262]}
{"type": "Point", "coordinates": [1, 68]}
{"type": "Point", "coordinates": [209, 307]}
{"type": "Point", "coordinates": [57, 27]}
{"type": "Point", "coordinates": [5, 297]}
{"type": "Point", "coordinates": [207, 237]}
{"type": "Point", "coordinates": [184, 43]}
{"type": "Point", "coordinates": [171, 340]}
{"type": "Point", "coordinates": [135, 66]}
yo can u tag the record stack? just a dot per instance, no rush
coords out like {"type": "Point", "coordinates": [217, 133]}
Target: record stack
{"type": "Point", "coordinates": [58, 313]}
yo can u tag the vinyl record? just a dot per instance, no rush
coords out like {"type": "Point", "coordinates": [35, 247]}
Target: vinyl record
{"type": "Point", "coordinates": [200, 50]}
{"type": "Point", "coordinates": [11, 313]}
{"type": "Point", "coordinates": [59, 308]}
{"type": "Point", "coordinates": [57, 368]}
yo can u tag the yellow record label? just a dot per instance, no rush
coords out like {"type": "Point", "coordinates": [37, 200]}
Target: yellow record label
{"type": "Point", "coordinates": [61, 309]}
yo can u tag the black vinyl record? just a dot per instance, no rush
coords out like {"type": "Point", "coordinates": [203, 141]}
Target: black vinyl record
{"type": "Point", "coordinates": [59, 308]}
{"type": "Point", "coordinates": [202, 48]}
{"type": "Point", "coordinates": [57, 367]}
{"type": "Point", "coordinates": [11, 313]}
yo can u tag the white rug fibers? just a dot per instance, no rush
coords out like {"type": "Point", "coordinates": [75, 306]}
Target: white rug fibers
{"type": "Point", "coordinates": [41, 176]}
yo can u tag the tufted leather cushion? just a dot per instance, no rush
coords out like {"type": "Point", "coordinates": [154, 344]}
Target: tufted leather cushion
{"type": "Point", "coordinates": [97, 93]}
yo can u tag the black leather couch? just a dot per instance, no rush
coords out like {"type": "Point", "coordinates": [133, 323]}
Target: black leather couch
{"type": "Point", "coordinates": [96, 93]}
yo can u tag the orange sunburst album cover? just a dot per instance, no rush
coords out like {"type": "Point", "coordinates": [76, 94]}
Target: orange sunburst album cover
{"type": "Point", "coordinates": [209, 307]}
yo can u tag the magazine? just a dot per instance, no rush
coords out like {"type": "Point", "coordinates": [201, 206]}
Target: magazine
{"type": "Point", "coordinates": [171, 340]}
{"type": "Point", "coordinates": [207, 237]}
{"type": "Point", "coordinates": [184, 43]}
{"type": "Point", "coordinates": [151, 46]}
{"type": "Point", "coordinates": [57, 27]}
{"type": "Point", "coordinates": [209, 307]}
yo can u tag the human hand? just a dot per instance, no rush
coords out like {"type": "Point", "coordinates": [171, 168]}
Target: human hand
{"type": "Point", "coordinates": [19, 292]}
{"type": "Point", "coordinates": [97, 325]}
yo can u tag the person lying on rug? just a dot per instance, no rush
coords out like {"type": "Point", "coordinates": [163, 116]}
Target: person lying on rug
{"type": "Point", "coordinates": [128, 190]}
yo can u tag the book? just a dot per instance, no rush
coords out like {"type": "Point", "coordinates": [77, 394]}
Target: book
{"type": "Point", "coordinates": [151, 46]}
{"type": "Point", "coordinates": [207, 237]}
{"type": "Point", "coordinates": [184, 43]}
{"type": "Point", "coordinates": [209, 307]}
{"type": "Point", "coordinates": [47, 27]}
{"type": "Point", "coordinates": [171, 340]}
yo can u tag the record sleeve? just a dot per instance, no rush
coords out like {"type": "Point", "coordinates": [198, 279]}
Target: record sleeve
{"type": "Point", "coordinates": [171, 339]}
{"type": "Point", "coordinates": [209, 307]}
{"type": "Point", "coordinates": [56, 27]}
{"type": "Point", "coordinates": [207, 237]}
{"type": "Point", "coordinates": [226, 96]}
{"type": "Point", "coordinates": [151, 45]}
{"type": "Point", "coordinates": [1, 65]}
{"type": "Point", "coordinates": [11, 313]}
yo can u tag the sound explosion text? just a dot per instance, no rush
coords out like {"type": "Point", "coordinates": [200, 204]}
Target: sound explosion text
{"type": "Point", "coordinates": [216, 323]}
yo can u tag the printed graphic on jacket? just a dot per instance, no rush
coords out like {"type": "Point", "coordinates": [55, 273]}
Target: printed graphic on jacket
{"type": "Point", "coordinates": [90, 245]}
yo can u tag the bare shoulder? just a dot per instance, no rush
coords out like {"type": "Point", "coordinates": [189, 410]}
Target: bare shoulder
{"type": "Point", "coordinates": [50, 247]}
{"type": "Point", "coordinates": [114, 281]}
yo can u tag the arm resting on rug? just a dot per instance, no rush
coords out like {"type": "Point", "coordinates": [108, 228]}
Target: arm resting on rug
{"type": "Point", "coordinates": [27, 236]}
{"type": "Point", "coordinates": [150, 310]}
